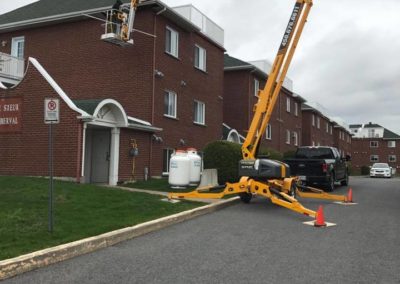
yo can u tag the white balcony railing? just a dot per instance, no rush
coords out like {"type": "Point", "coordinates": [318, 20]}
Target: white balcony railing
{"type": "Point", "coordinates": [11, 67]}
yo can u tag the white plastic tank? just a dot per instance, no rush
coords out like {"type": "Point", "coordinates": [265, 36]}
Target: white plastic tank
{"type": "Point", "coordinates": [179, 169]}
{"type": "Point", "coordinates": [195, 166]}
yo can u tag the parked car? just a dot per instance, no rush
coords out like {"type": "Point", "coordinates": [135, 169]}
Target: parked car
{"type": "Point", "coordinates": [319, 166]}
{"type": "Point", "coordinates": [380, 170]}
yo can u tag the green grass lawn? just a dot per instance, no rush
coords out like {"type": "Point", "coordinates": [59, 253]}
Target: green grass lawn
{"type": "Point", "coordinates": [80, 211]}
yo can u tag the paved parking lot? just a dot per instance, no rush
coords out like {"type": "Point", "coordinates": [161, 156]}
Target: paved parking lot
{"type": "Point", "coordinates": [256, 243]}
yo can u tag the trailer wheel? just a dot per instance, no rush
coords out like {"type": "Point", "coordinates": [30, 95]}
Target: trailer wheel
{"type": "Point", "coordinates": [245, 197]}
{"type": "Point", "coordinates": [293, 190]}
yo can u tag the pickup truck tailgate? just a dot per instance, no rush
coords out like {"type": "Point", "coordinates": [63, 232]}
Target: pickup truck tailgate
{"type": "Point", "coordinates": [306, 167]}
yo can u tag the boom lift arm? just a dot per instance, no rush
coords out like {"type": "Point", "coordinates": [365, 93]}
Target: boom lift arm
{"type": "Point", "coordinates": [269, 178]}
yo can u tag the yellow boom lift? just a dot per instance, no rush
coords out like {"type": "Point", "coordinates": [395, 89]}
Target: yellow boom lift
{"type": "Point", "coordinates": [269, 178]}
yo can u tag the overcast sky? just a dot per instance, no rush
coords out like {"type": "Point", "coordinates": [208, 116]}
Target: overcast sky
{"type": "Point", "coordinates": [348, 58]}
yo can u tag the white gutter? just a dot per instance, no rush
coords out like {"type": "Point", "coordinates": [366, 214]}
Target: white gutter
{"type": "Point", "coordinates": [2, 86]}
{"type": "Point", "coordinates": [57, 88]}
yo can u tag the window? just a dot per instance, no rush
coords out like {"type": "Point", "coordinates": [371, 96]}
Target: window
{"type": "Point", "coordinates": [295, 139]}
{"type": "Point", "coordinates": [392, 144]}
{"type": "Point", "coordinates": [170, 104]}
{"type": "Point", "coordinates": [392, 158]}
{"type": "Point", "coordinates": [172, 42]}
{"type": "Point", "coordinates": [199, 112]}
{"type": "Point", "coordinates": [327, 127]}
{"type": "Point", "coordinates": [167, 153]}
{"type": "Point", "coordinates": [288, 104]}
{"type": "Point", "coordinates": [296, 109]}
{"type": "Point", "coordinates": [256, 87]}
{"type": "Point", "coordinates": [318, 122]}
{"type": "Point", "coordinates": [313, 120]}
{"type": "Point", "coordinates": [17, 46]}
{"type": "Point", "coordinates": [287, 136]}
{"type": "Point", "coordinates": [330, 129]}
{"type": "Point", "coordinates": [200, 57]}
{"type": "Point", "coordinates": [373, 144]}
{"type": "Point", "coordinates": [374, 158]}
{"type": "Point", "coordinates": [268, 132]}
{"type": "Point", "coordinates": [371, 133]}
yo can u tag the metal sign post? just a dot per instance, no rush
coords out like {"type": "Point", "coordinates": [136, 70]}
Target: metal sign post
{"type": "Point", "coordinates": [51, 116]}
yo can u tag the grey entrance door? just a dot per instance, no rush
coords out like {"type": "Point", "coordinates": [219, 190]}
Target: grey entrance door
{"type": "Point", "coordinates": [100, 156]}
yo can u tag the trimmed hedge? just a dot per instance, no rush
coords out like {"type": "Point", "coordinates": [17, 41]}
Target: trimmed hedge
{"type": "Point", "coordinates": [223, 156]}
{"type": "Point", "coordinates": [270, 153]}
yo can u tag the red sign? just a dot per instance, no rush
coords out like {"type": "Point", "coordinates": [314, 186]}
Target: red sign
{"type": "Point", "coordinates": [10, 114]}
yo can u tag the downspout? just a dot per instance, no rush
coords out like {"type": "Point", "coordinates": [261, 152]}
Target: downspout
{"type": "Point", "coordinates": [78, 153]}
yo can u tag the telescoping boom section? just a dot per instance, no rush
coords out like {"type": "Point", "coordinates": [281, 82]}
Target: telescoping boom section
{"type": "Point", "coordinates": [265, 177]}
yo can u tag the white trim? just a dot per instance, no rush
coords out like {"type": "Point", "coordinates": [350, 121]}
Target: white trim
{"type": "Point", "coordinates": [83, 148]}
{"type": "Point", "coordinates": [57, 88]}
{"type": "Point", "coordinates": [115, 103]}
{"type": "Point", "coordinates": [139, 121]}
{"type": "Point", "coordinates": [114, 156]}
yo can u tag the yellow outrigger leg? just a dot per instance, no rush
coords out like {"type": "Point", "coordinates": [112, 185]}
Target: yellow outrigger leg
{"type": "Point", "coordinates": [280, 192]}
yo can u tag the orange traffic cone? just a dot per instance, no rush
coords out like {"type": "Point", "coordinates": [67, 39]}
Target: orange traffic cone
{"type": "Point", "coordinates": [320, 220]}
{"type": "Point", "coordinates": [350, 196]}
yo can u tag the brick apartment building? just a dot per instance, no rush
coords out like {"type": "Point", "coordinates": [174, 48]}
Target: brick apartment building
{"type": "Point", "coordinates": [373, 143]}
{"type": "Point", "coordinates": [161, 93]}
{"type": "Point", "coordinates": [321, 130]}
{"type": "Point", "coordinates": [242, 82]}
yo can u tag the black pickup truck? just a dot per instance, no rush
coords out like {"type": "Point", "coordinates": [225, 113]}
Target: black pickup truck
{"type": "Point", "coordinates": [319, 166]}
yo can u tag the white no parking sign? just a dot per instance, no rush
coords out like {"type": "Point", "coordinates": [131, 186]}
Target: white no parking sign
{"type": "Point", "coordinates": [51, 111]}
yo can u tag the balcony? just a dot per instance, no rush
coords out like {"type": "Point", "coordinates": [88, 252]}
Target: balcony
{"type": "Point", "coordinates": [11, 68]}
{"type": "Point", "coordinates": [206, 25]}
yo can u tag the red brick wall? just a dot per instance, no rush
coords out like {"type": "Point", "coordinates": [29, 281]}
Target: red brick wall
{"type": "Point", "coordinates": [26, 152]}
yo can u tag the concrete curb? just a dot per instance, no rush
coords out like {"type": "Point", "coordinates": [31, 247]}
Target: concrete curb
{"type": "Point", "coordinates": [18, 265]}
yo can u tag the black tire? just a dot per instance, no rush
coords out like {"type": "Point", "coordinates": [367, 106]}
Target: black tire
{"type": "Point", "coordinates": [293, 190]}
{"type": "Point", "coordinates": [346, 180]}
{"type": "Point", "coordinates": [330, 186]}
{"type": "Point", "coordinates": [245, 197]}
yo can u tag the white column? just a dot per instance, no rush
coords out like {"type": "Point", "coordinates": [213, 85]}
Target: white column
{"type": "Point", "coordinates": [114, 156]}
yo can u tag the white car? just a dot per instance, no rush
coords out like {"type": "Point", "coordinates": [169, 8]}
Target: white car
{"type": "Point", "coordinates": [380, 170]}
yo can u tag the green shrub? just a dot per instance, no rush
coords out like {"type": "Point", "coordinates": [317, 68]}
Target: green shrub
{"type": "Point", "coordinates": [364, 170]}
{"type": "Point", "coordinates": [270, 153]}
{"type": "Point", "coordinates": [289, 154]}
{"type": "Point", "coordinates": [223, 156]}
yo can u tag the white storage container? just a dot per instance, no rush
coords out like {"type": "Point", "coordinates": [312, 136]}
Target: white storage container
{"type": "Point", "coordinates": [179, 169]}
{"type": "Point", "coordinates": [195, 166]}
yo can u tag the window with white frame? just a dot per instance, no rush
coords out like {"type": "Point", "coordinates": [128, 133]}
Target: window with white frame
{"type": "Point", "coordinates": [256, 87]}
{"type": "Point", "coordinates": [371, 132]}
{"type": "Point", "coordinates": [172, 42]}
{"type": "Point", "coordinates": [392, 158]}
{"type": "Point", "coordinates": [17, 46]}
{"type": "Point", "coordinates": [287, 136]}
{"type": "Point", "coordinates": [330, 130]}
{"type": "Point", "coordinates": [167, 153]}
{"type": "Point", "coordinates": [200, 57]}
{"type": "Point", "coordinates": [313, 120]}
{"type": "Point", "coordinates": [295, 138]}
{"type": "Point", "coordinates": [374, 158]}
{"type": "Point", "coordinates": [199, 112]}
{"type": "Point", "coordinates": [373, 144]}
{"type": "Point", "coordinates": [327, 128]}
{"type": "Point", "coordinates": [288, 104]}
{"type": "Point", "coordinates": [268, 132]}
{"type": "Point", "coordinates": [318, 122]}
{"type": "Point", "coordinates": [391, 144]}
{"type": "Point", "coordinates": [170, 104]}
{"type": "Point", "coordinates": [296, 109]}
